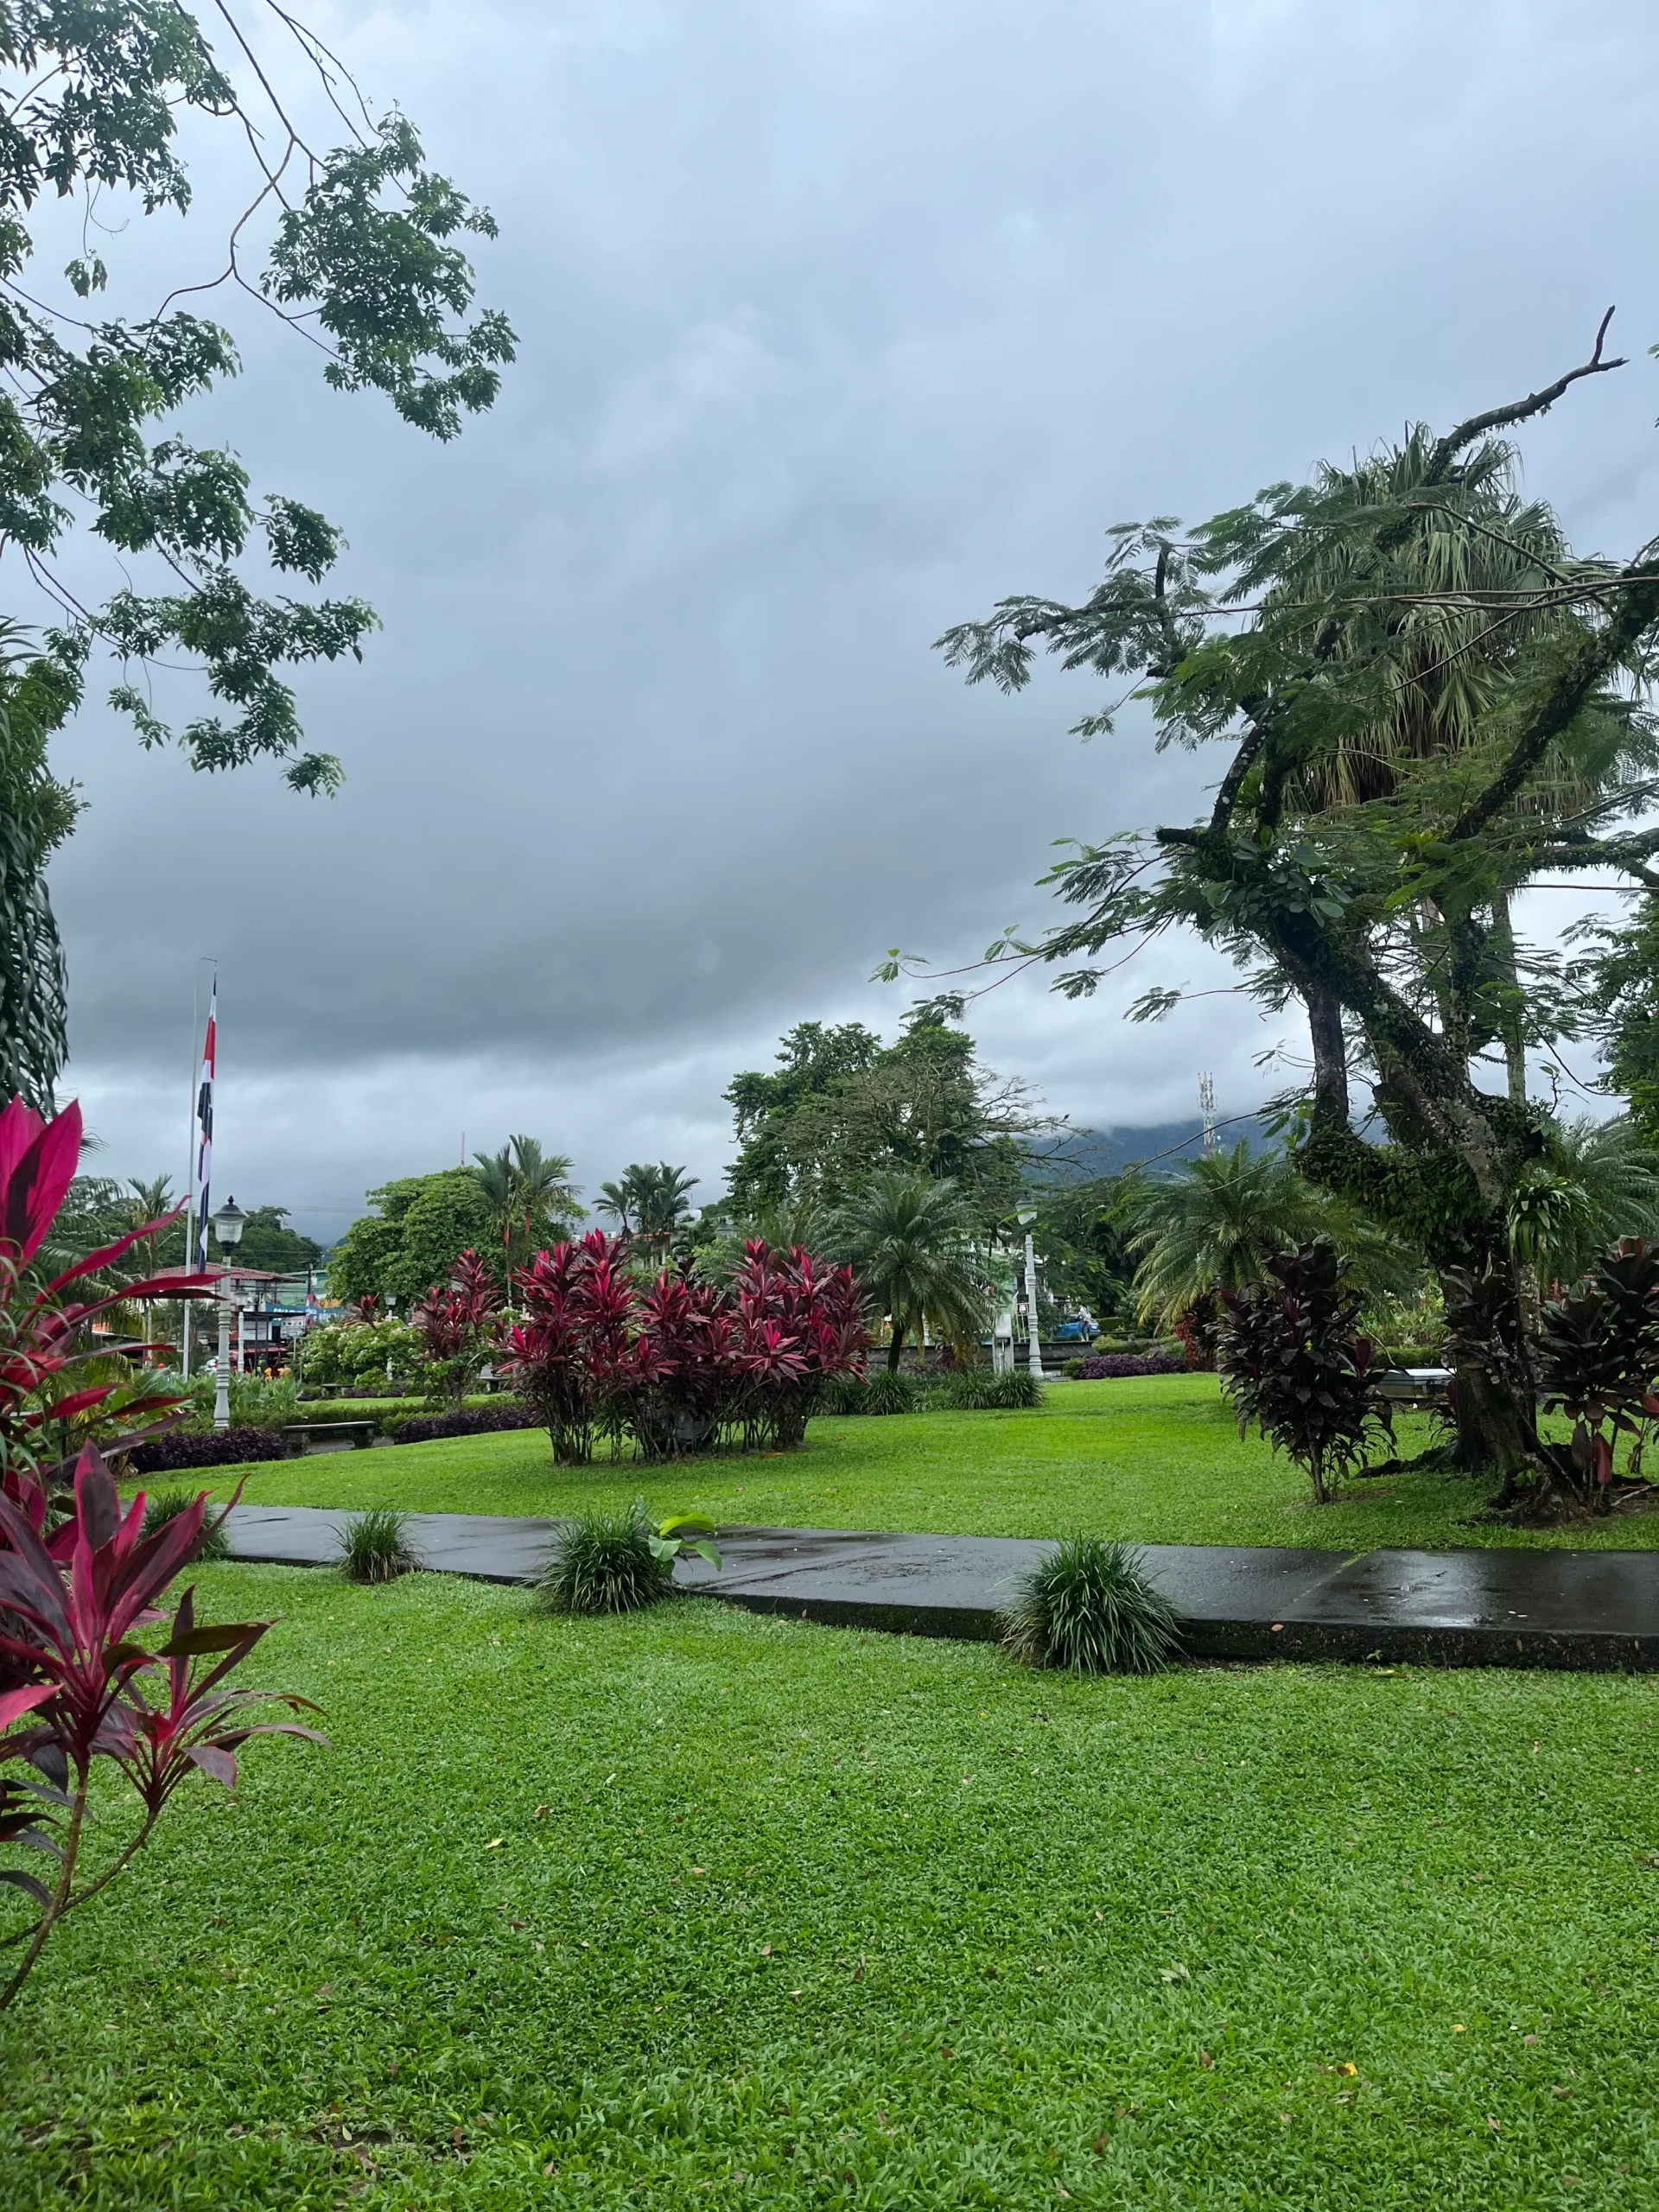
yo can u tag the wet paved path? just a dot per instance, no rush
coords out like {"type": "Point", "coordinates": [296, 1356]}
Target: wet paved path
{"type": "Point", "coordinates": [1503, 1608]}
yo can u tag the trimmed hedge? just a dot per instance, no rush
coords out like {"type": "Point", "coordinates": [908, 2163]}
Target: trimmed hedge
{"type": "Point", "coordinates": [1110, 1366]}
{"type": "Point", "coordinates": [475, 1421]}
{"type": "Point", "coordinates": [213, 1448]}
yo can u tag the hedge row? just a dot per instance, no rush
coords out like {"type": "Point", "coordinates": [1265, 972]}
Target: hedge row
{"type": "Point", "coordinates": [476, 1421]}
{"type": "Point", "coordinates": [1108, 1366]}
{"type": "Point", "coordinates": [213, 1448]}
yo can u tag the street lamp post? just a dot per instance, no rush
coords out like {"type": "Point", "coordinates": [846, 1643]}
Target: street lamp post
{"type": "Point", "coordinates": [227, 1225]}
{"type": "Point", "coordinates": [1034, 1349]}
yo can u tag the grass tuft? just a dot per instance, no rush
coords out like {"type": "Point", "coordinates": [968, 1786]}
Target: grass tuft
{"type": "Point", "coordinates": [167, 1505]}
{"type": "Point", "coordinates": [375, 1546]}
{"type": "Point", "coordinates": [1088, 1607]}
{"type": "Point", "coordinates": [603, 1563]}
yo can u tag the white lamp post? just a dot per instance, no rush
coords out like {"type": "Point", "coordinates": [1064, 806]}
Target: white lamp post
{"type": "Point", "coordinates": [1034, 1350]}
{"type": "Point", "coordinates": [227, 1226]}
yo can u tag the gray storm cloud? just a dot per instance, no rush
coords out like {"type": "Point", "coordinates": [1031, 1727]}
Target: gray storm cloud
{"type": "Point", "coordinates": [837, 322]}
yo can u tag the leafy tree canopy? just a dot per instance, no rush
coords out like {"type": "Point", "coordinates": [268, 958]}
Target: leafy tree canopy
{"type": "Point", "coordinates": [423, 1225]}
{"type": "Point", "coordinates": [355, 248]}
{"type": "Point", "coordinates": [845, 1107]}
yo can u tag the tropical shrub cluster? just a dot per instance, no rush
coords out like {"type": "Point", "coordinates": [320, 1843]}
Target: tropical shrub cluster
{"type": "Point", "coordinates": [1294, 1362]}
{"type": "Point", "coordinates": [1597, 1359]}
{"type": "Point", "coordinates": [885, 1390]}
{"type": "Point", "coordinates": [679, 1365]}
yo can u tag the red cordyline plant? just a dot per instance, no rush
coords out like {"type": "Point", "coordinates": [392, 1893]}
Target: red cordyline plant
{"type": "Point", "coordinates": [799, 1322]}
{"type": "Point", "coordinates": [1293, 1360]}
{"type": "Point", "coordinates": [457, 1324]}
{"type": "Point", "coordinates": [73, 1684]}
{"type": "Point", "coordinates": [1597, 1358]}
{"type": "Point", "coordinates": [573, 1339]}
{"type": "Point", "coordinates": [44, 1325]}
{"type": "Point", "coordinates": [71, 1603]}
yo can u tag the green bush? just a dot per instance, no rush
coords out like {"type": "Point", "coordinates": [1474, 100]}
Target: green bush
{"type": "Point", "coordinates": [879, 1392]}
{"type": "Point", "coordinates": [375, 1546]}
{"type": "Point", "coordinates": [1088, 1607]}
{"type": "Point", "coordinates": [354, 1354]}
{"type": "Point", "coordinates": [978, 1389]}
{"type": "Point", "coordinates": [604, 1563]}
{"type": "Point", "coordinates": [257, 1401]}
{"type": "Point", "coordinates": [1073, 1370]}
{"type": "Point", "coordinates": [167, 1504]}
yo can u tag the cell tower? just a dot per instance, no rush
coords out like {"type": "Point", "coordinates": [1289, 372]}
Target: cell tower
{"type": "Point", "coordinates": [1207, 1107]}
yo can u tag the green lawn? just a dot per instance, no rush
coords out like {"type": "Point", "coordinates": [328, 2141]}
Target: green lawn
{"type": "Point", "coordinates": [699, 1909]}
{"type": "Point", "coordinates": [1158, 1460]}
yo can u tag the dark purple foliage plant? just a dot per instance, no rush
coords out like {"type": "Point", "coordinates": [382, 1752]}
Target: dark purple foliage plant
{"type": "Point", "coordinates": [1293, 1362]}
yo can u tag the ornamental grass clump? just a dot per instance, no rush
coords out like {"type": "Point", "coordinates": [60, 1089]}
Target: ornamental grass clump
{"type": "Point", "coordinates": [1088, 1607]}
{"type": "Point", "coordinates": [605, 1563]}
{"type": "Point", "coordinates": [980, 1389]}
{"type": "Point", "coordinates": [375, 1546]}
{"type": "Point", "coordinates": [168, 1504]}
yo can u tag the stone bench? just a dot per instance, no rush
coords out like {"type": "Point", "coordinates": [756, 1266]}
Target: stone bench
{"type": "Point", "coordinates": [307, 1436]}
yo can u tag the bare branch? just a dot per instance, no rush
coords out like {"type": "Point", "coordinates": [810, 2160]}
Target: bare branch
{"type": "Point", "coordinates": [1518, 410]}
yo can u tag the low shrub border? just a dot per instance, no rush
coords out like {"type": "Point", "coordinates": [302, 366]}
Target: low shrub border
{"type": "Point", "coordinates": [212, 1447]}
{"type": "Point", "coordinates": [1115, 1366]}
{"type": "Point", "coordinates": [473, 1420]}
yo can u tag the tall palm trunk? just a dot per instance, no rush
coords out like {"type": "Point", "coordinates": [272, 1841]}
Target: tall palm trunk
{"type": "Point", "coordinates": [896, 1345]}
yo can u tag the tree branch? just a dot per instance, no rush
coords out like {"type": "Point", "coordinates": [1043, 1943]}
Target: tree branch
{"type": "Point", "coordinates": [1567, 695]}
{"type": "Point", "coordinates": [1518, 410]}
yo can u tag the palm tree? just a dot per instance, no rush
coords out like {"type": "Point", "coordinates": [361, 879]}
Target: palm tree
{"type": "Point", "coordinates": [1214, 1224]}
{"type": "Point", "coordinates": [649, 1202]}
{"type": "Point", "coordinates": [912, 1242]}
{"type": "Point", "coordinates": [1597, 1182]}
{"type": "Point", "coordinates": [529, 1193]}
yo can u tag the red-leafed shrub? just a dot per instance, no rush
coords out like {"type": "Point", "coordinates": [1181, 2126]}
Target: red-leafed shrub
{"type": "Point", "coordinates": [457, 1323]}
{"type": "Point", "coordinates": [800, 1322]}
{"type": "Point", "coordinates": [1597, 1360]}
{"type": "Point", "coordinates": [74, 1686]}
{"type": "Point", "coordinates": [1293, 1362]}
{"type": "Point", "coordinates": [682, 1364]}
{"type": "Point", "coordinates": [562, 1356]}
{"type": "Point", "coordinates": [44, 1418]}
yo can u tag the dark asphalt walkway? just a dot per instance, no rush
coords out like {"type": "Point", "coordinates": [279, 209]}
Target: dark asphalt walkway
{"type": "Point", "coordinates": [1503, 1608]}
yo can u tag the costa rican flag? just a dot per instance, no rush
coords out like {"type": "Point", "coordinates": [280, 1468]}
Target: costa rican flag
{"type": "Point", "coordinates": [205, 1130]}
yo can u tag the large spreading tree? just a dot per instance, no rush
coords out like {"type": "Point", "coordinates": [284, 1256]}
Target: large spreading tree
{"type": "Point", "coordinates": [1427, 700]}
{"type": "Point", "coordinates": [355, 250]}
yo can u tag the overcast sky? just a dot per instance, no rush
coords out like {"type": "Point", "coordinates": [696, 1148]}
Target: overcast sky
{"type": "Point", "coordinates": [837, 321]}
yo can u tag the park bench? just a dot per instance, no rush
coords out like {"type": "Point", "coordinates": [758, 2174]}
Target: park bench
{"type": "Point", "coordinates": [1414, 1386]}
{"type": "Point", "coordinates": [303, 1436]}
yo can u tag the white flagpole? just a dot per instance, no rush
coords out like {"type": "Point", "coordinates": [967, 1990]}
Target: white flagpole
{"type": "Point", "coordinates": [205, 961]}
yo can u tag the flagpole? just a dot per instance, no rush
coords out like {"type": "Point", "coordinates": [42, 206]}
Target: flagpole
{"type": "Point", "coordinates": [205, 960]}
